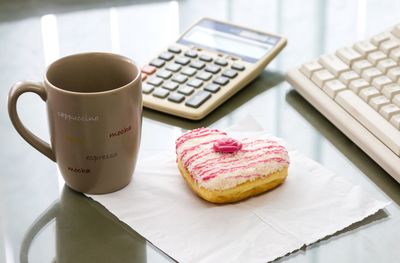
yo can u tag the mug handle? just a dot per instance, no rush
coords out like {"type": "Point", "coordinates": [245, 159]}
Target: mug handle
{"type": "Point", "coordinates": [17, 90]}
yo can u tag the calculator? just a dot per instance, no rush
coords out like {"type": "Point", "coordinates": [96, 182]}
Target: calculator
{"type": "Point", "coordinates": [207, 65]}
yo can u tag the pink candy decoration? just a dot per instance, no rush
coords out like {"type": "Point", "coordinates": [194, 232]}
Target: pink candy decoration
{"type": "Point", "coordinates": [227, 145]}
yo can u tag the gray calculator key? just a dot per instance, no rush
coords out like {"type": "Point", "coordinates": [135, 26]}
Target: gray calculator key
{"type": "Point", "coordinates": [195, 83]}
{"type": "Point", "coordinates": [165, 74]}
{"type": "Point", "coordinates": [182, 61]}
{"type": "Point", "coordinates": [221, 81]}
{"type": "Point", "coordinates": [146, 88]}
{"type": "Point", "coordinates": [221, 62]}
{"type": "Point", "coordinates": [205, 58]}
{"type": "Point", "coordinates": [157, 62]}
{"type": "Point", "coordinates": [238, 66]}
{"type": "Point", "coordinates": [166, 56]}
{"type": "Point", "coordinates": [191, 53]}
{"type": "Point", "coordinates": [198, 99]}
{"type": "Point", "coordinates": [214, 88]}
{"type": "Point", "coordinates": [155, 81]}
{"type": "Point", "coordinates": [173, 67]}
{"type": "Point", "coordinates": [176, 97]}
{"type": "Point", "coordinates": [212, 68]}
{"type": "Point", "coordinates": [204, 76]}
{"type": "Point", "coordinates": [170, 85]}
{"type": "Point", "coordinates": [229, 73]}
{"type": "Point", "coordinates": [174, 49]}
{"type": "Point", "coordinates": [189, 71]}
{"type": "Point", "coordinates": [197, 64]}
{"type": "Point", "coordinates": [179, 78]}
{"type": "Point", "coordinates": [160, 93]}
{"type": "Point", "coordinates": [186, 90]}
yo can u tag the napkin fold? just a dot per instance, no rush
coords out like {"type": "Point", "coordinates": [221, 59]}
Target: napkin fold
{"type": "Point", "coordinates": [313, 203]}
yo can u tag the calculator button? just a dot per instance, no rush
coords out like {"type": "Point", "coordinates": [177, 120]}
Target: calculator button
{"type": "Point", "coordinates": [221, 62]}
{"type": "Point", "coordinates": [189, 71]}
{"type": "Point", "coordinates": [191, 53]}
{"type": "Point", "coordinates": [182, 60]}
{"type": "Point", "coordinates": [157, 63]}
{"type": "Point", "coordinates": [204, 76]}
{"type": "Point", "coordinates": [144, 76]}
{"type": "Point", "coordinates": [212, 88]}
{"type": "Point", "coordinates": [221, 80]}
{"type": "Point", "coordinates": [229, 73]}
{"type": "Point", "coordinates": [198, 99]}
{"type": "Point", "coordinates": [174, 49]}
{"type": "Point", "coordinates": [160, 93]}
{"type": "Point", "coordinates": [176, 97]}
{"type": "Point", "coordinates": [205, 58]}
{"type": "Point", "coordinates": [195, 83]}
{"type": "Point", "coordinates": [179, 78]}
{"type": "Point", "coordinates": [186, 90]}
{"type": "Point", "coordinates": [165, 74]}
{"type": "Point", "coordinates": [238, 66]}
{"type": "Point", "coordinates": [155, 81]}
{"type": "Point", "coordinates": [146, 88]}
{"type": "Point", "coordinates": [173, 67]}
{"type": "Point", "coordinates": [148, 69]}
{"type": "Point", "coordinates": [170, 85]}
{"type": "Point", "coordinates": [197, 64]}
{"type": "Point", "coordinates": [166, 56]}
{"type": "Point", "coordinates": [212, 68]}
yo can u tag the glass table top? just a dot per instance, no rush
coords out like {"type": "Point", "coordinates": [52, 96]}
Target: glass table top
{"type": "Point", "coordinates": [41, 220]}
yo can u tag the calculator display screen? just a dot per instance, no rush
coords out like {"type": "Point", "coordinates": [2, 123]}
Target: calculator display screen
{"type": "Point", "coordinates": [249, 45]}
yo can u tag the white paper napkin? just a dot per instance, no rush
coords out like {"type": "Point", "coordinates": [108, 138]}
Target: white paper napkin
{"type": "Point", "coordinates": [312, 204]}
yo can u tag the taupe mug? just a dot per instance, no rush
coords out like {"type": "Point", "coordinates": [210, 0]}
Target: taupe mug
{"type": "Point", "coordinates": [94, 108]}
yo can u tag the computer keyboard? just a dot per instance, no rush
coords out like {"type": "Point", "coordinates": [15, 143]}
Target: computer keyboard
{"type": "Point", "coordinates": [358, 89]}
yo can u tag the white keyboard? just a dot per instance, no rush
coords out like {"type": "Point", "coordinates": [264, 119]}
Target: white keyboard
{"type": "Point", "coordinates": [358, 89]}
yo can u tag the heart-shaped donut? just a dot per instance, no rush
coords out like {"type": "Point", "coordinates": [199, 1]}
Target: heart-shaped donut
{"type": "Point", "coordinates": [221, 169]}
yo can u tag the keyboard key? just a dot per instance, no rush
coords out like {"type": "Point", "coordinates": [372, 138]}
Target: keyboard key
{"type": "Point", "coordinates": [148, 69]}
{"type": "Point", "coordinates": [197, 64]}
{"type": "Point", "coordinates": [396, 31]}
{"type": "Point", "coordinates": [396, 100]}
{"type": "Point", "coordinates": [221, 62]}
{"type": "Point", "coordinates": [182, 61]}
{"type": "Point", "coordinates": [395, 54]}
{"type": "Point", "coordinates": [237, 66]}
{"type": "Point", "coordinates": [170, 85]}
{"type": "Point", "coordinates": [361, 65]}
{"type": "Point", "coordinates": [205, 58]}
{"type": "Point", "coordinates": [332, 87]}
{"type": "Point", "coordinates": [195, 83]}
{"type": "Point", "coordinates": [166, 56]}
{"type": "Point", "coordinates": [186, 90]}
{"type": "Point", "coordinates": [191, 53]}
{"type": "Point", "coordinates": [155, 81]}
{"type": "Point", "coordinates": [386, 64]}
{"type": "Point", "coordinates": [348, 76]}
{"type": "Point", "coordinates": [173, 67]}
{"type": "Point", "coordinates": [212, 68]}
{"type": "Point", "coordinates": [309, 68]}
{"type": "Point", "coordinates": [179, 78]}
{"type": "Point", "coordinates": [378, 102]}
{"type": "Point", "coordinates": [229, 73]}
{"type": "Point", "coordinates": [198, 99]}
{"type": "Point", "coordinates": [381, 81]}
{"type": "Point", "coordinates": [395, 120]}
{"type": "Point", "coordinates": [388, 111]}
{"type": "Point", "coordinates": [388, 45]}
{"type": "Point", "coordinates": [176, 97]}
{"type": "Point", "coordinates": [358, 84]}
{"type": "Point", "coordinates": [348, 55]}
{"type": "Point", "coordinates": [143, 76]}
{"type": "Point", "coordinates": [221, 81]}
{"type": "Point", "coordinates": [333, 64]}
{"type": "Point", "coordinates": [174, 49]}
{"type": "Point", "coordinates": [368, 93]}
{"type": "Point", "coordinates": [371, 119]}
{"type": "Point", "coordinates": [394, 73]}
{"type": "Point", "coordinates": [146, 88]}
{"type": "Point", "coordinates": [364, 47]}
{"type": "Point", "coordinates": [188, 71]}
{"type": "Point", "coordinates": [377, 39]}
{"type": "Point", "coordinates": [375, 57]}
{"type": "Point", "coordinates": [321, 76]}
{"type": "Point", "coordinates": [160, 93]}
{"type": "Point", "coordinates": [214, 88]}
{"type": "Point", "coordinates": [371, 73]}
{"type": "Point", "coordinates": [165, 74]}
{"type": "Point", "coordinates": [391, 90]}
{"type": "Point", "coordinates": [204, 76]}
{"type": "Point", "coordinates": [157, 62]}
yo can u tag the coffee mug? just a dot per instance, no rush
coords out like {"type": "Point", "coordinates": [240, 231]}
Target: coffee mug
{"type": "Point", "coordinates": [94, 108]}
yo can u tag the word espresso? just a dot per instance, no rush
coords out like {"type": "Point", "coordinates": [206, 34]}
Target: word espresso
{"type": "Point", "coordinates": [101, 157]}
{"type": "Point", "coordinates": [79, 118]}
{"type": "Point", "coordinates": [120, 132]}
